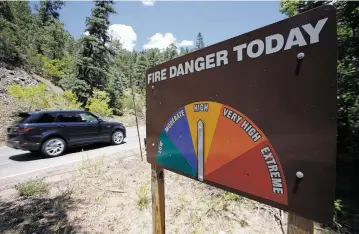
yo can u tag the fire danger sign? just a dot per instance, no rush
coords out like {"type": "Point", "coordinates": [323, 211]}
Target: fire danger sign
{"type": "Point", "coordinates": [254, 115]}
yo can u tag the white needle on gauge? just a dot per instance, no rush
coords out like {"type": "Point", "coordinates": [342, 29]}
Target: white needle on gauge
{"type": "Point", "coordinates": [200, 149]}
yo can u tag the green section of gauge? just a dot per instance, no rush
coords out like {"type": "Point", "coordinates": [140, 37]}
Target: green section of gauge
{"type": "Point", "coordinates": [168, 155]}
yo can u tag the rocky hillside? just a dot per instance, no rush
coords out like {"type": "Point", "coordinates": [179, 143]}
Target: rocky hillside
{"type": "Point", "coordinates": [8, 106]}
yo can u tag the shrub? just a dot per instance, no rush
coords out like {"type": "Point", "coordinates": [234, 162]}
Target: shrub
{"type": "Point", "coordinates": [98, 103]}
{"type": "Point", "coordinates": [143, 193]}
{"type": "Point", "coordinates": [35, 96]}
{"type": "Point", "coordinates": [67, 100]}
{"type": "Point", "coordinates": [140, 100]}
{"type": "Point", "coordinates": [32, 188]}
{"type": "Point", "coordinates": [53, 69]}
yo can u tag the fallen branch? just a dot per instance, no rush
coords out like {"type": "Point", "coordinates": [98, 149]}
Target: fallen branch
{"type": "Point", "coordinates": [116, 191]}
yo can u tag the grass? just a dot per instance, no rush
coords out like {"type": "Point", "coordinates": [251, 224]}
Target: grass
{"type": "Point", "coordinates": [127, 119]}
{"type": "Point", "coordinates": [33, 187]}
{"type": "Point", "coordinates": [91, 167]}
{"type": "Point", "coordinates": [228, 196]}
{"type": "Point", "coordinates": [143, 196]}
{"type": "Point", "coordinates": [182, 200]}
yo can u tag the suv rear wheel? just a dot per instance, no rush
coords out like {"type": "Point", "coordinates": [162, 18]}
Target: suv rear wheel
{"type": "Point", "coordinates": [117, 137]}
{"type": "Point", "coordinates": [53, 147]}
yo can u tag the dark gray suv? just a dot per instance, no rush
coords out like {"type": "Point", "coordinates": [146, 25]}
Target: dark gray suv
{"type": "Point", "coordinates": [52, 132]}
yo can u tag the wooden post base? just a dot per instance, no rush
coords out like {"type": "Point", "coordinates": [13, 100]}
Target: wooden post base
{"type": "Point", "coordinates": [299, 225]}
{"type": "Point", "coordinates": [158, 200]}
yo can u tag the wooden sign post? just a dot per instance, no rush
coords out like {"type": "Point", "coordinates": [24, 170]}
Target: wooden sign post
{"type": "Point", "coordinates": [255, 115]}
{"type": "Point", "coordinates": [299, 225]}
{"type": "Point", "coordinates": [158, 200]}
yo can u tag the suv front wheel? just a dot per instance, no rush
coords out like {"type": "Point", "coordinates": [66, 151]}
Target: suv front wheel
{"type": "Point", "coordinates": [53, 147]}
{"type": "Point", "coordinates": [117, 137]}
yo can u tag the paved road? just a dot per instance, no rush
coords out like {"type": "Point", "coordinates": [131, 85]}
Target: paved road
{"type": "Point", "coordinates": [17, 165]}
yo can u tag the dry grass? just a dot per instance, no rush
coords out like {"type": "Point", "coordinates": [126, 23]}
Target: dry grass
{"type": "Point", "coordinates": [116, 198]}
{"type": "Point", "coordinates": [34, 187]}
{"type": "Point", "coordinates": [127, 119]}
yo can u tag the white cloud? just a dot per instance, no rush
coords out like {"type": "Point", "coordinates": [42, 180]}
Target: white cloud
{"type": "Point", "coordinates": [148, 2]}
{"type": "Point", "coordinates": [185, 43]}
{"type": "Point", "coordinates": [125, 34]}
{"type": "Point", "coordinates": [162, 41]}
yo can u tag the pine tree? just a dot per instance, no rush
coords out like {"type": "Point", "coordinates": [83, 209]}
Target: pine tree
{"type": "Point", "coordinates": [94, 61]}
{"type": "Point", "coordinates": [50, 31]}
{"type": "Point", "coordinates": [49, 11]}
{"type": "Point", "coordinates": [153, 57]}
{"type": "Point", "coordinates": [184, 51]}
{"type": "Point", "coordinates": [17, 30]}
{"type": "Point", "coordinates": [140, 71]}
{"type": "Point", "coordinates": [170, 52]}
{"type": "Point", "coordinates": [199, 42]}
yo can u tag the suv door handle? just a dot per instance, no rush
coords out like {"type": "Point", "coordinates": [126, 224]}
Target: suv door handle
{"type": "Point", "coordinates": [61, 126]}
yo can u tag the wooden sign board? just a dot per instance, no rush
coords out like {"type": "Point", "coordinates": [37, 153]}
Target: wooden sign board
{"type": "Point", "coordinates": [254, 115]}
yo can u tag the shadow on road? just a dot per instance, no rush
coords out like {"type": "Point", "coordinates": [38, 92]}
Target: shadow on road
{"type": "Point", "coordinates": [37, 215]}
{"type": "Point", "coordinates": [38, 156]}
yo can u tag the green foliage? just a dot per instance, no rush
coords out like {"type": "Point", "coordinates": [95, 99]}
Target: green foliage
{"type": "Point", "coordinates": [51, 41]}
{"type": "Point", "coordinates": [140, 71]}
{"type": "Point", "coordinates": [199, 42]}
{"type": "Point", "coordinates": [38, 42]}
{"type": "Point", "coordinates": [24, 34]}
{"type": "Point", "coordinates": [32, 187]}
{"type": "Point", "coordinates": [170, 52]}
{"type": "Point", "coordinates": [98, 103]}
{"type": "Point", "coordinates": [184, 51]}
{"type": "Point", "coordinates": [49, 11]}
{"type": "Point", "coordinates": [94, 61]}
{"type": "Point", "coordinates": [289, 8]}
{"type": "Point", "coordinates": [10, 43]}
{"type": "Point", "coordinates": [140, 102]}
{"type": "Point", "coordinates": [35, 96]}
{"type": "Point", "coordinates": [67, 101]}
{"type": "Point", "coordinates": [228, 196]}
{"type": "Point", "coordinates": [53, 69]}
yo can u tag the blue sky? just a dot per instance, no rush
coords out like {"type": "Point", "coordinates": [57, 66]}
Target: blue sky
{"type": "Point", "coordinates": [161, 23]}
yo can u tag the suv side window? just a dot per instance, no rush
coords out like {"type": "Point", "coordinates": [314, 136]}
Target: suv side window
{"type": "Point", "coordinates": [68, 118]}
{"type": "Point", "coordinates": [86, 117]}
{"type": "Point", "coordinates": [46, 118]}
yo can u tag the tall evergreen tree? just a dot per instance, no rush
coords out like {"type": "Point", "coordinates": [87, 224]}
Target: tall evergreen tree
{"type": "Point", "coordinates": [17, 30]}
{"type": "Point", "coordinates": [170, 52]}
{"type": "Point", "coordinates": [50, 42]}
{"type": "Point", "coordinates": [184, 50]}
{"type": "Point", "coordinates": [153, 57]}
{"type": "Point", "coordinates": [199, 42]}
{"type": "Point", "coordinates": [94, 61]}
{"type": "Point", "coordinates": [49, 10]}
{"type": "Point", "coordinates": [140, 71]}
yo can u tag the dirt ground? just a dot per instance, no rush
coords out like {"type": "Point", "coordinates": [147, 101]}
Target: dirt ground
{"type": "Point", "coordinates": [116, 198]}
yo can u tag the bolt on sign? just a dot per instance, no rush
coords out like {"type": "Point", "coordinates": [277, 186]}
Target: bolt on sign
{"type": "Point", "coordinates": [254, 115]}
